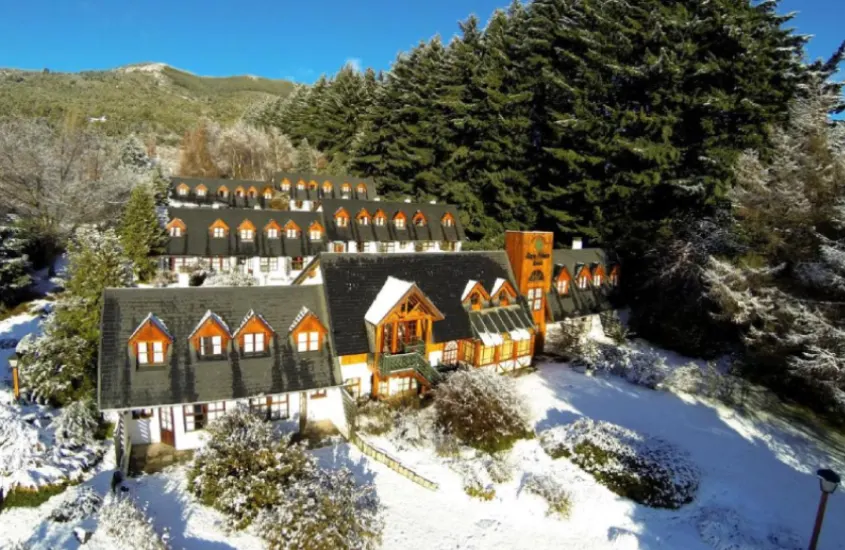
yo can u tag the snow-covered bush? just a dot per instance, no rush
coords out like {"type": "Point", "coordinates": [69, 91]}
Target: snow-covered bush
{"type": "Point", "coordinates": [244, 468]}
{"type": "Point", "coordinates": [613, 327]}
{"type": "Point", "coordinates": [482, 409]}
{"type": "Point", "coordinates": [76, 425]}
{"type": "Point", "coordinates": [551, 490]}
{"type": "Point", "coordinates": [329, 511]}
{"type": "Point", "coordinates": [567, 338]}
{"type": "Point", "coordinates": [14, 263]}
{"type": "Point", "coordinates": [77, 505]}
{"type": "Point", "coordinates": [641, 367]}
{"type": "Point", "coordinates": [499, 467]}
{"type": "Point", "coordinates": [234, 277]}
{"type": "Point", "coordinates": [707, 381]}
{"type": "Point", "coordinates": [375, 418]}
{"type": "Point", "coordinates": [475, 479]}
{"type": "Point", "coordinates": [164, 278]}
{"type": "Point", "coordinates": [126, 526]}
{"type": "Point", "coordinates": [645, 469]}
{"type": "Point", "coordinates": [725, 529]}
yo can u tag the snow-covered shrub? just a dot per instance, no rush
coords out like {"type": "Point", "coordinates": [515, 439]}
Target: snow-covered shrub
{"type": "Point", "coordinates": [613, 327]}
{"type": "Point", "coordinates": [725, 529]}
{"type": "Point", "coordinates": [244, 468]}
{"type": "Point", "coordinates": [552, 490]}
{"type": "Point", "coordinates": [482, 409]}
{"type": "Point", "coordinates": [77, 505]}
{"type": "Point", "coordinates": [476, 481]}
{"type": "Point", "coordinates": [76, 425]}
{"type": "Point", "coordinates": [375, 418]}
{"type": "Point", "coordinates": [329, 511]}
{"type": "Point", "coordinates": [126, 526]}
{"type": "Point", "coordinates": [414, 428]}
{"type": "Point", "coordinates": [20, 443]}
{"type": "Point", "coordinates": [567, 337]}
{"type": "Point", "coordinates": [499, 467]}
{"type": "Point", "coordinates": [707, 381]}
{"type": "Point", "coordinates": [235, 277]}
{"type": "Point", "coordinates": [164, 278]}
{"type": "Point", "coordinates": [641, 367]}
{"type": "Point", "coordinates": [645, 469]}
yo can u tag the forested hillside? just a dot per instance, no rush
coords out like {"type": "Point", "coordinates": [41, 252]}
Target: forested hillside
{"type": "Point", "coordinates": [145, 99]}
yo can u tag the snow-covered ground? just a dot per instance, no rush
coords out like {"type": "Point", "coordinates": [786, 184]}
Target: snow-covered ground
{"type": "Point", "coordinates": [756, 487]}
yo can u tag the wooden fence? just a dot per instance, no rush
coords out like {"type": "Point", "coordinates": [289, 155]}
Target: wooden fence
{"type": "Point", "coordinates": [380, 456]}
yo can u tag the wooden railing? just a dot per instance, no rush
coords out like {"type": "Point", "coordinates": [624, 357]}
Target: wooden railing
{"type": "Point", "coordinates": [380, 456]}
{"type": "Point", "coordinates": [122, 445]}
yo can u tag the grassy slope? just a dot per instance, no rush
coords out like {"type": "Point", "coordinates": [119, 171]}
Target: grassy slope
{"type": "Point", "coordinates": [165, 103]}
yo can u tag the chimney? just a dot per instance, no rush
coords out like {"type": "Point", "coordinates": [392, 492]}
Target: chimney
{"type": "Point", "coordinates": [577, 243]}
{"type": "Point", "coordinates": [432, 201]}
{"type": "Point", "coordinates": [407, 199]}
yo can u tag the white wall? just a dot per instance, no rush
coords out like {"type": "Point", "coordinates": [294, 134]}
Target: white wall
{"type": "Point", "coordinates": [144, 431]}
{"type": "Point", "coordinates": [359, 370]}
{"type": "Point", "coordinates": [435, 357]}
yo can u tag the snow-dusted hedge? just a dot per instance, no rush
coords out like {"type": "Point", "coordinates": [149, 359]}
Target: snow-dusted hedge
{"type": "Point", "coordinates": [725, 529]}
{"type": "Point", "coordinates": [76, 425]}
{"type": "Point", "coordinates": [77, 505]}
{"type": "Point", "coordinates": [645, 469]}
{"type": "Point", "coordinates": [482, 409]}
{"type": "Point", "coordinates": [126, 526]}
{"type": "Point", "coordinates": [552, 490]}
{"type": "Point", "coordinates": [643, 367]}
{"type": "Point", "coordinates": [328, 512]}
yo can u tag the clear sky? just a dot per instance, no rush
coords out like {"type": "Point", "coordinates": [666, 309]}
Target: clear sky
{"type": "Point", "coordinates": [272, 38]}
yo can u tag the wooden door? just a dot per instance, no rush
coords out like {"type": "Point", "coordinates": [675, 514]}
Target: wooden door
{"type": "Point", "coordinates": [166, 422]}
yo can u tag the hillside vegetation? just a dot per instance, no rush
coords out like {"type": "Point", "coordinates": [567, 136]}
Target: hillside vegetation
{"type": "Point", "coordinates": [144, 99]}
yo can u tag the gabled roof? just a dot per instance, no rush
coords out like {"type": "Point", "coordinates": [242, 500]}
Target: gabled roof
{"type": "Point", "coordinates": [334, 192]}
{"type": "Point", "coordinates": [150, 318]}
{"type": "Point", "coordinates": [433, 230]}
{"type": "Point", "coordinates": [213, 186]}
{"type": "Point", "coordinates": [187, 379]}
{"type": "Point", "coordinates": [249, 315]}
{"type": "Point", "coordinates": [353, 281]}
{"type": "Point", "coordinates": [390, 294]}
{"type": "Point", "coordinates": [213, 317]}
{"type": "Point", "coordinates": [198, 242]}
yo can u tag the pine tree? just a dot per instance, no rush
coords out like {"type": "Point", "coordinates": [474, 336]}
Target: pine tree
{"type": "Point", "coordinates": [14, 263]}
{"type": "Point", "coordinates": [141, 233]}
{"type": "Point", "coordinates": [133, 155]}
{"type": "Point", "coordinates": [304, 163]}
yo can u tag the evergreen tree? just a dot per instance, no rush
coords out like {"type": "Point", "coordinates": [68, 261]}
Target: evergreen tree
{"type": "Point", "coordinates": [141, 233]}
{"type": "Point", "coordinates": [14, 263]}
{"type": "Point", "coordinates": [133, 155]}
{"type": "Point", "coordinates": [304, 163]}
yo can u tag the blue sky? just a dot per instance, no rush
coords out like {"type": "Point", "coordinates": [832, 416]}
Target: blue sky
{"type": "Point", "coordinates": [272, 38]}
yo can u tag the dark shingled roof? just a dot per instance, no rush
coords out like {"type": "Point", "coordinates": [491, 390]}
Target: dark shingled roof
{"type": "Point", "coordinates": [188, 379]}
{"type": "Point", "coordinates": [199, 242]}
{"type": "Point", "coordinates": [432, 231]}
{"type": "Point", "coordinates": [579, 302]}
{"type": "Point", "coordinates": [214, 185]}
{"type": "Point", "coordinates": [336, 182]}
{"type": "Point", "coordinates": [352, 281]}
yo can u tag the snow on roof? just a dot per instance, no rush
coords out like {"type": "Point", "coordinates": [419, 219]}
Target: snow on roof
{"type": "Point", "coordinates": [299, 317]}
{"type": "Point", "coordinates": [213, 316]}
{"type": "Point", "coordinates": [491, 338]}
{"type": "Point", "coordinates": [520, 334]}
{"type": "Point", "coordinates": [497, 285]}
{"type": "Point", "coordinates": [393, 290]}
{"type": "Point", "coordinates": [157, 322]}
{"type": "Point", "coordinates": [250, 314]}
{"type": "Point", "coordinates": [470, 285]}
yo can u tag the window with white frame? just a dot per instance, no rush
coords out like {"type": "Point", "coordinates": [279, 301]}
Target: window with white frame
{"type": "Point", "coordinates": [143, 354]}
{"type": "Point", "coordinates": [382, 387]}
{"type": "Point", "coordinates": [597, 279]}
{"type": "Point", "coordinates": [353, 386]}
{"type": "Point", "coordinates": [278, 406]}
{"type": "Point", "coordinates": [175, 231]}
{"type": "Point", "coordinates": [274, 264]}
{"type": "Point", "coordinates": [583, 281]}
{"type": "Point", "coordinates": [308, 341]}
{"type": "Point", "coordinates": [201, 192]}
{"type": "Point", "coordinates": [218, 232]}
{"type": "Point", "coordinates": [247, 234]}
{"type": "Point", "coordinates": [150, 353]}
{"type": "Point", "coordinates": [259, 406]}
{"type": "Point", "coordinates": [272, 233]}
{"type": "Point", "coordinates": [183, 191]}
{"type": "Point", "coordinates": [448, 222]}
{"type": "Point", "coordinates": [300, 186]}
{"type": "Point", "coordinates": [194, 417]}
{"type": "Point", "coordinates": [254, 342]}
{"type": "Point", "coordinates": [211, 345]}
{"type": "Point", "coordinates": [341, 221]}
{"type": "Point", "coordinates": [285, 187]}
{"type": "Point", "coordinates": [562, 286]}
{"type": "Point", "coordinates": [391, 247]}
{"type": "Point", "coordinates": [292, 233]}
{"type": "Point", "coordinates": [215, 410]}
{"type": "Point", "coordinates": [402, 385]}
{"type": "Point", "coordinates": [364, 220]}
{"type": "Point", "coordinates": [264, 264]}
{"type": "Point", "coordinates": [316, 234]}
{"type": "Point", "coordinates": [158, 353]}
{"type": "Point", "coordinates": [535, 298]}
{"type": "Point", "coordinates": [400, 223]}
{"type": "Point", "coordinates": [379, 221]}
{"type": "Point", "coordinates": [223, 193]}
{"type": "Point", "coordinates": [268, 195]}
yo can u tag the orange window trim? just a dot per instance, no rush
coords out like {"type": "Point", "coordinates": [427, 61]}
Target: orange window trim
{"type": "Point", "coordinates": [346, 187]}
{"type": "Point", "coordinates": [208, 329]}
{"type": "Point", "coordinates": [252, 191]}
{"type": "Point", "coordinates": [267, 190]}
{"type": "Point", "coordinates": [309, 323]}
{"type": "Point", "coordinates": [447, 216]}
{"type": "Point", "coordinates": [240, 190]}
{"type": "Point", "coordinates": [176, 222]}
{"type": "Point", "coordinates": [222, 189]}
{"type": "Point", "coordinates": [341, 213]}
{"type": "Point", "coordinates": [292, 225]}
{"type": "Point", "coordinates": [362, 188]}
{"type": "Point", "coordinates": [246, 224]}
{"type": "Point", "coordinates": [419, 216]}
{"type": "Point", "coordinates": [362, 214]}
{"type": "Point", "coordinates": [272, 225]}
{"type": "Point", "coordinates": [315, 226]}
{"type": "Point", "coordinates": [400, 215]}
{"type": "Point", "coordinates": [327, 186]}
{"type": "Point", "coordinates": [201, 187]}
{"type": "Point", "coordinates": [149, 332]}
{"type": "Point", "coordinates": [312, 184]}
{"type": "Point", "coordinates": [218, 223]}
{"type": "Point", "coordinates": [478, 289]}
{"type": "Point", "coordinates": [254, 326]}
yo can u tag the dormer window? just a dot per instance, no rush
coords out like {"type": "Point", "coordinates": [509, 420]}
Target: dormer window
{"type": "Point", "coordinates": [597, 279]}
{"type": "Point", "coordinates": [150, 341]}
{"type": "Point", "coordinates": [254, 334]}
{"type": "Point", "coordinates": [253, 192]}
{"type": "Point", "coordinates": [285, 186]}
{"type": "Point", "coordinates": [447, 220]}
{"type": "Point", "coordinates": [272, 233]}
{"type": "Point", "coordinates": [201, 190]}
{"type": "Point", "coordinates": [312, 185]}
{"type": "Point", "coordinates": [474, 295]}
{"type": "Point", "coordinates": [211, 336]}
{"type": "Point", "coordinates": [239, 192]}
{"type": "Point", "coordinates": [584, 279]}
{"type": "Point", "coordinates": [183, 190]}
{"type": "Point", "coordinates": [502, 293]}
{"type": "Point", "coordinates": [219, 229]}
{"type": "Point", "coordinates": [272, 230]}
{"type": "Point", "coordinates": [345, 190]}
{"type": "Point", "coordinates": [300, 185]}
{"type": "Point", "coordinates": [613, 279]}
{"type": "Point", "coordinates": [563, 287]}
{"type": "Point", "coordinates": [327, 188]}
{"type": "Point", "coordinates": [176, 227]}
{"type": "Point", "coordinates": [341, 221]}
{"type": "Point", "coordinates": [268, 194]}
{"type": "Point", "coordinates": [399, 220]}
{"type": "Point", "coordinates": [223, 192]}
{"type": "Point", "coordinates": [362, 188]}
{"type": "Point", "coordinates": [307, 331]}
{"type": "Point", "coordinates": [315, 232]}
{"type": "Point", "coordinates": [364, 220]}
{"type": "Point", "coordinates": [379, 218]}
{"type": "Point", "coordinates": [419, 219]}
{"type": "Point", "coordinates": [247, 231]}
